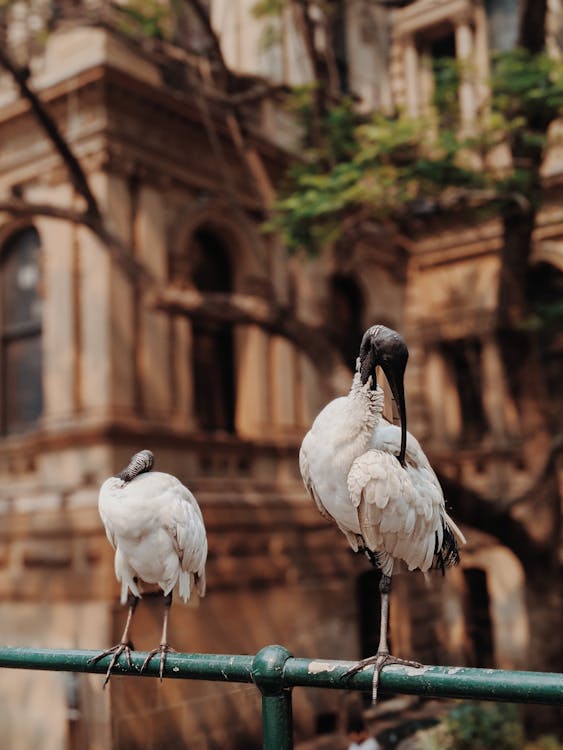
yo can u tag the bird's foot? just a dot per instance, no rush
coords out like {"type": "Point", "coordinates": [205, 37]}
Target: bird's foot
{"type": "Point", "coordinates": [163, 649]}
{"type": "Point", "coordinates": [380, 660]}
{"type": "Point", "coordinates": [120, 648]}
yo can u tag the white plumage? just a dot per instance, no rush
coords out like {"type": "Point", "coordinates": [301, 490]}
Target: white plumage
{"type": "Point", "coordinates": [373, 480]}
{"type": "Point", "coordinates": [156, 528]}
{"type": "Point", "coordinates": [349, 465]}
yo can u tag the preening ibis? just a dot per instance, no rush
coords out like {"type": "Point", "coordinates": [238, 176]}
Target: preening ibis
{"type": "Point", "coordinates": [374, 482]}
{"type": "Point", "coordinates": [156, 528]}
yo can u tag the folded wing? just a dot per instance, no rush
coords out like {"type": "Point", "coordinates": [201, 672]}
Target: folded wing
{"type": "Point", "coordinates": [400, 510]}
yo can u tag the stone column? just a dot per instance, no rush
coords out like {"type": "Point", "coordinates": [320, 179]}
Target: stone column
{"type": "Point", "coordinates": [464, 55]}
{"type": "Point", "coordinates": [482, 67]}
{"type": "Point", "coordinates": [94, 302]}
{"type": "Point", "coordinates": [123, 335]}
{"type": "Point", "coordinates": [153, 355]}
{"type": "Point", "coordinates": [181, 378]}
{"type": "Point", "coordinates": [499, 407]}
{"type": "Point", "coordinates": [252, 381]}
{"type": "Point", "coordinates": [410, 62]}
{"type": "Point", "coordinates": [443, 399]}
{"type": "Point", "coordinates": [94, 325]}
{"type": "Point", "coordinates": [60, 317]}
{"type": "Point", "coordinates": [282, 360]}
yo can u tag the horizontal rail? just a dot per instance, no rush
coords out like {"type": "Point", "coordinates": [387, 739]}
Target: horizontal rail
{"type": "Point", "coordinates": [274, 669]}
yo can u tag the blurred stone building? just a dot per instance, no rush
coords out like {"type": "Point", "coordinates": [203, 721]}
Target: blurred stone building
{"type": "Point", "coordinates": [92, 371]}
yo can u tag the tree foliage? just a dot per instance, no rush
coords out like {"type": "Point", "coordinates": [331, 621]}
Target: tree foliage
{"type": "Point", "coordinates": [389, 167]}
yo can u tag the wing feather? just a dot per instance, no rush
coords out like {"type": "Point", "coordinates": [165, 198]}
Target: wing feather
{"type": "Point", "coordinates": [310, 487]}
{"type": "Point", "coordinates": [398, 513]}
{"type": "Point", "coordinates": [190, 540]}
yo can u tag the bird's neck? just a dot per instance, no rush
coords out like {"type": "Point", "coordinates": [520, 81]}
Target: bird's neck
{"type": "Point", "coordinates": [365, 407]}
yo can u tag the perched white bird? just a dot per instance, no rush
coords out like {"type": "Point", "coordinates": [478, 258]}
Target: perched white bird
{"type": "Point", "coordinates": [374, 482]}
{"type": "Point", "coordinates": [156, 528]}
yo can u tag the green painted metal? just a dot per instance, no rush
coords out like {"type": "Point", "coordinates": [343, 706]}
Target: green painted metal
{"type": "Point", "coordinates": [275, 672]}
{"type": "Point", "coordinates": [277, 724]}
{"type": "Point", "coordinates": [274, 667]}
{"type": "Point", "coordinates": [436, 682]}
{"type": "Point", "coordinates": [215, 667]}
{"type": "Point", "coordinates": [268, 667]}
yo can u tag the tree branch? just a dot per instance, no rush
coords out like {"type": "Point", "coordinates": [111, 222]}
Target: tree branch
{"type": "Point", "coordinates": [77, 176]}
{"type": "Point", "coordinates": [470, 508]}
{"type": "Point", "coordinates": [118, 249]}
{"type": "Point", "coordinates": [245, 309]}
{"type": "Point", "coordinates": [202, 15]}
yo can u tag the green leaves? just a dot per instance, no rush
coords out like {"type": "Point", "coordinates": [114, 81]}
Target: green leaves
{"type": "Point", "coordinates": [149, 17]}
{"type": "Point", "coordinates": [528, 90]}
{"type": "Point", "coordinates": [380, 167]}
{"type": "Point", "coordinates": [377, 167]}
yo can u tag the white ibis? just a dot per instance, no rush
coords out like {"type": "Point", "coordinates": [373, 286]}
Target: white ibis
{"type": "Point", "coordinates": [156, 528]}
{"type": "Point", "coordinates": [374, 482]}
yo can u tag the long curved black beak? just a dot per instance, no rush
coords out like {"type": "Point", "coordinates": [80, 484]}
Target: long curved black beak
{"type": "Point", "coordinates": [395, 375]}
{"type": "Point", "coordinates": [385, 347]}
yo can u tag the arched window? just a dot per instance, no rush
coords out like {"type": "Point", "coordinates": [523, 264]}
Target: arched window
{"type": "Point", "coordinates": [345, 317]}
{"type": "Point", "coordinates": [20, 324]}
{"type": "Point", "coordinates": [213, 350]}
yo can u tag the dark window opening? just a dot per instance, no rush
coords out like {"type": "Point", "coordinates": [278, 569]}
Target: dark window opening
{"type": "Point", "coordinates": [545, 294]}
{"type": "Point", "coordinates": [345, 317]}
{"type": "Point", "coordinates": [22, 395]}
{"type": "Point", "coordinates": [445, 71]}
{"type": "Point", "coordinates": [443, 47]}
{"type": "Point", "coordinates": [478, 618]}
{"type": "Point", "coordinates": [464, 357]}
{"type": "Point", "coordinates": [213, 346]}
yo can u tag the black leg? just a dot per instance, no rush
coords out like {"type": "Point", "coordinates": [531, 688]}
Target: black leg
{"type": "Point", "coordinates": [123, 645]}
{"type": "Point", "coordinates": [382, 657]}
{"type": "Point", "coordinates": [164, 648]}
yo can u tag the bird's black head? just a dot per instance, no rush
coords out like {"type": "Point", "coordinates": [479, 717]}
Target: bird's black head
{"type": "Point", "coordinates": [384, 347]}
{"type": "Point", "coordinates": [139, 463]}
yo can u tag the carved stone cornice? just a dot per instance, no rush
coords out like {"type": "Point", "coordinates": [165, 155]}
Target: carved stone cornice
{"type": "Point", "coordinates": [130, 126]}
{"type": "Point", "coordinates": [424, 14]}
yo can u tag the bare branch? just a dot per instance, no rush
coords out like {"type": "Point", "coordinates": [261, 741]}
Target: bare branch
{"type": "Point", "coordinates": [279, 320]}
{"type": "Point", "coordinates": [45, 120]}
{"type": "Point", "coordinates": [473, 509]}
{"type": "Point", "coordinates": [18, 207]}
{"type": "Point", "coordinates": [203, 17]}
{"type": "Point", "coordinates": [120, 251]}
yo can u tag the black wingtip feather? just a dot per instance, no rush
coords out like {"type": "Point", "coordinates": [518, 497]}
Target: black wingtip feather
{"type": "Point", "coordinates": [446, 556]}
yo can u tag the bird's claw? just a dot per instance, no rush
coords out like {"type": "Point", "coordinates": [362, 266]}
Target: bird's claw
{"type": "Point", "coordinates": [380, 660]}
{"type": "Point", "coordinates": [163, 649]}
{"type": "Point", "coordinates": [116, 652]}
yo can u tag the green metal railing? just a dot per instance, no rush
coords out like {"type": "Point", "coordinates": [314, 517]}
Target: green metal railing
{"type": "Point", "coordinates": [275, 672]}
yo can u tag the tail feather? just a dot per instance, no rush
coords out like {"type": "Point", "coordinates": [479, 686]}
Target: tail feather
{"type": "Point", "coordinates": [200, 582]}
{"type": "Point", "coordinates": [446, 554]}
{"type": "Point", "coordinates": [455, 528]}
{"type": "Point", "coordinates": [184, 585]}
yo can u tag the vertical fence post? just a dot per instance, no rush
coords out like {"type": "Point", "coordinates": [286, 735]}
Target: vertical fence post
{"type": "Point", "coordinates": [267, 673]}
